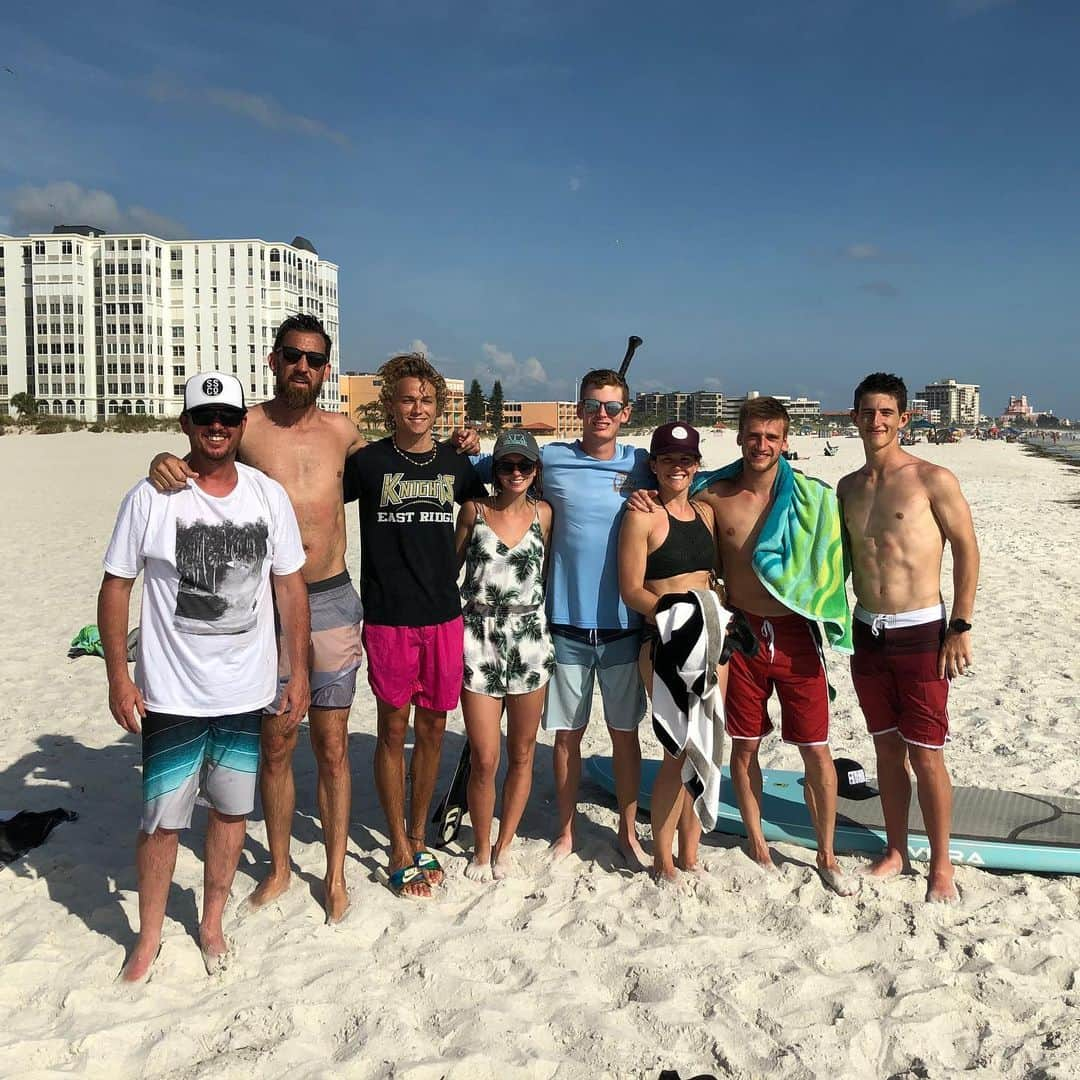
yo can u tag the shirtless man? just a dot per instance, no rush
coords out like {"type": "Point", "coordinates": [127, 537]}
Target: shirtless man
{"type": "Point", "coordinates": [789, 657]}
{"type": "Point", "coordinates": [304, 448]}
{"type": "Point", "coordinates": [898, 513]}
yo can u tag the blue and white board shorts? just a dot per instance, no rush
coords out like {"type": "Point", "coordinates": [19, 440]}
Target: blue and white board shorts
{"type": "Point", "coordinates": [210, 760]}
{"type": "Point", "coordinates": [582, 657]}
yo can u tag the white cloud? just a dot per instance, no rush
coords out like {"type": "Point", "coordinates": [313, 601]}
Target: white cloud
{"type": "Point", "coordinates": [38, 209]}
{"type": "Point", "coordinates": [260, 109]}
{"type": "Point", "coordinates": [510, 371]}
{"type": "Point", "coordinates": [861, 252]}
{"type": "Point", "coordinates": [713, 383]}
{"type": "Point", "coordinates": [419, 346]}
{"type": "Point", "coordinates": [575, 183]}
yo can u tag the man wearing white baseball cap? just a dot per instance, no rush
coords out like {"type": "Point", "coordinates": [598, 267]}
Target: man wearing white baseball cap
{"type": "Point", "coordinates": [206, 665]}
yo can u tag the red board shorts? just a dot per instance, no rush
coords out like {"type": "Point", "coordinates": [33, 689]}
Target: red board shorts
{"type": "Point", "coordinates": [418, 665]}
{"type": "Point", "coordinates": [895, 672]}
{"type": "Point", "coordinates": [789, 659]}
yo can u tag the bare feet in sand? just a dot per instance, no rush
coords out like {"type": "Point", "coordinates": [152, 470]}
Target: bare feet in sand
{"type": "Point", "coordinates": [140, 963]}
{"type": "Point", "coordinates": [940, 887]}
{"type": "Point", "coordinates": [629, 847]}
{"type": "Point", "coordinates": [665, 874]}
{"type": "Point", "coordinates": [502, 866]}
{"type": "Point", "coordinates": [890, 865]}
{"type": "Point", "coordinates": [761, 857]}
{"type": "Point", "coordinates": [268, 890]}
{"type": "Point", "coordinates": [335, 901]}
{"type": "Point", "coordinates": [835, 878]}
{"type": "Point", "coordinates": [479, 871]}
{"type": "Point", "coordinates": [561, 846]}
{"type": "Point", "coordinates": [216, 951]}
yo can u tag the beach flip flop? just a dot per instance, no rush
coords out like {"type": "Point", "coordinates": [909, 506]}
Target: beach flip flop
{"type": "Point", "coordinates": [407, 875]}
{"type": "Point", "coordinates": [426, 863]}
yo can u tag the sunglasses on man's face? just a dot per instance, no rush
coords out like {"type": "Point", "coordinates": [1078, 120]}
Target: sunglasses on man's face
{"type": "Point", "coordinates": [292, 355]}
{"type": "Point", "coordinates": [508, 468]}
{"type": "Point", "coordinates": [591, 406]}
{"type": "Point", "coordinates": [205, 416]}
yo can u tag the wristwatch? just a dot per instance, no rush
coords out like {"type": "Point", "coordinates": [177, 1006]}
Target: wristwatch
{"type": "Point", "coordinates": [959, 626]}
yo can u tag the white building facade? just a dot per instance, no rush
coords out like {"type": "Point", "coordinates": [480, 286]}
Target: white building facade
{"type": "Point", "coordinates": [93, 324]}
{"type": "Point", "coordinates": [958, 403]}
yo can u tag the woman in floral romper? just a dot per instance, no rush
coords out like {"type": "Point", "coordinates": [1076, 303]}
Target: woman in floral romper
{"type": "Point", "coordinates": [509, 656]}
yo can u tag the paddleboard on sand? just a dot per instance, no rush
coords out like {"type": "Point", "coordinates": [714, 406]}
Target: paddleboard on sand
{"type": "Point", "coordinates": [1001, 830]}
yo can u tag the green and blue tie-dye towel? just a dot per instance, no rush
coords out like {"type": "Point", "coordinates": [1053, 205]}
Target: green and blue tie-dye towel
{"type": "Point", "coordinates": [799, 556]}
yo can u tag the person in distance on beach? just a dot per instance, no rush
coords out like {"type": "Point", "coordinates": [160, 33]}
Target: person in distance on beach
{"type": "Point", "coordinates": [898, 513]}
{"type": "Point", "coordinates": [206, 664]}
{"type": "Point", "coordinates": [305, 448]}
{"type": "Point", "coordinates": [673, 553]}
{"type": "Point", "coordinates": [509, 656]}
{"type": "Point", "coordinates": [407, 485]}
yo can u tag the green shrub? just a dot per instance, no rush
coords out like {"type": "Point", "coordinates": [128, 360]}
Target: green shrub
{"type": "Point", "coordinates": [97, 428]}
{"type": "Point", "coordinates": [52, 425]}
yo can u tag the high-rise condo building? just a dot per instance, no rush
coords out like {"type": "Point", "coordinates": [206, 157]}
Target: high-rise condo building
{"type": "Point", "coordinates": [95, 323]}
{"type": "Point", "coordinates": [958, 403]}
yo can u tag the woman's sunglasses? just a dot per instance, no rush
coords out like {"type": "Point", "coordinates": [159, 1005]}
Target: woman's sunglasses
{"type": "Point", "coordinates": [508, 468]}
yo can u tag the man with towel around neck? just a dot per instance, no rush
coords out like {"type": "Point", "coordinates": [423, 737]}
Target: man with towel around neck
{"type": "Point", "coordinates": [898, 513]}
{"type": "Point", "coordinates": [789, 656]}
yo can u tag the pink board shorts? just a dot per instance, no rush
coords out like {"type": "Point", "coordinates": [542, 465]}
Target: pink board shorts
{"type": "Point", "coordinates": [418, 665]}
{"type": "Point", "coordinates": [895, 672]}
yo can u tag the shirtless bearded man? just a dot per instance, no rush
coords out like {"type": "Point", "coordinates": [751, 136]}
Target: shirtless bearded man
{"type": "Point", "coordinates": [898, 513]}
{"type": "Point", "coordinates": [304, 448]}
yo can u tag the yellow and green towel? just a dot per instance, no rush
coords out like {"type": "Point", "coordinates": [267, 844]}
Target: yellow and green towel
{"type": "Point", "coordinates": [800, 556]}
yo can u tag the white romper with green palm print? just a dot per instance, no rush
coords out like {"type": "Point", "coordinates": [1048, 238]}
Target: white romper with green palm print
{"type": "Point", "coordinates": [508, 649]}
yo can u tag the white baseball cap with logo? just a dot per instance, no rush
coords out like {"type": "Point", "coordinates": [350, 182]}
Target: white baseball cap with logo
{"type": "Point", "coordinates": [214, 388]}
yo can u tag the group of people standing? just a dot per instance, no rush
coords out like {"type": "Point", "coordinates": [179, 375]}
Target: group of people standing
{"type": "Point", "coordinates": [562, 581]}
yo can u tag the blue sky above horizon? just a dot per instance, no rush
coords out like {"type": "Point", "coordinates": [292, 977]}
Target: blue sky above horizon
{"type": "Point", "coordinates": [776, 196]}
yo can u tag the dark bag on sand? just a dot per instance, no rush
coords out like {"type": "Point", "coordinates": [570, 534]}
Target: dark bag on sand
{"type": "Point", "coordinates": [28, 829]}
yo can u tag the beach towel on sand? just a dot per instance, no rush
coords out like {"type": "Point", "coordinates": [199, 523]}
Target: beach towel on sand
{"type": "Point", "coordinates": [688, 708]}
{"type": "Point", "coordinates": [800, 556]}
{"type": "Point", "coordinates": [87, 642]}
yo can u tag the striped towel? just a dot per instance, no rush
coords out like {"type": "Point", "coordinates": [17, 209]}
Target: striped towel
{"type": "Point", "coordinates": [688, 708]}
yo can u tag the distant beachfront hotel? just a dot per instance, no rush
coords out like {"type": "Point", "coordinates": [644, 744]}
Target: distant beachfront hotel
{"type": "Point", "coordinates": [955, 402]}
{"type": "Point", "coordinates": [707, 408]}
{"type": "Point", "coordinates": [93, 323]}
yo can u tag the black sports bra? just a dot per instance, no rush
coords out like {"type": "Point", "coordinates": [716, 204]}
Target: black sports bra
{"type": "Point", "coordinates": [688, 546]}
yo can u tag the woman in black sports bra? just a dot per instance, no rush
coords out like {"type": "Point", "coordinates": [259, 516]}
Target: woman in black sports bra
{"type": "Point", "coordinates": [672, 552]}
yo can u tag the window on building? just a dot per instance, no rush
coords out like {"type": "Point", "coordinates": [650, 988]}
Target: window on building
{"type": "Point", "coordinates": [65, 247]}
{"type": "Point", "coordinates": [39, 247]}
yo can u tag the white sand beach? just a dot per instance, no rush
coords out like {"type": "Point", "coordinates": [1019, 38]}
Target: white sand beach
{"type": "Point", "coordinates": [581, 970]}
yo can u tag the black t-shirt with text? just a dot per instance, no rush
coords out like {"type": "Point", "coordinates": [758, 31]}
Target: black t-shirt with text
{"type": "Point", "coordinates": [408, 569]}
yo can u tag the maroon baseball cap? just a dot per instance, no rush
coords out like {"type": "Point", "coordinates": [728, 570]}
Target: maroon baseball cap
{"type": "Point", "coordinates": [676, 438]}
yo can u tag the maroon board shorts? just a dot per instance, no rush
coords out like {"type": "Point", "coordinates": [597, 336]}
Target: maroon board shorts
{"type": "Point", "coordinates": [895, 672]}
{"type": "Point", "coordinates": [788, 660]}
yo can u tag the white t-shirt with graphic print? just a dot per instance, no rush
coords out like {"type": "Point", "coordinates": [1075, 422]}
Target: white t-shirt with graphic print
{"type": "Point", "coordinates": [206, 637]}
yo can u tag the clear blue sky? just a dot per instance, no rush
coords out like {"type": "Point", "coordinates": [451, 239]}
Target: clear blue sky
{"type": "Point", "coordinates": [776, 196]}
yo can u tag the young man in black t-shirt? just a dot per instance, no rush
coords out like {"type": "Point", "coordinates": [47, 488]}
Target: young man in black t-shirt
{"type": "Point", "coordinates": [407, 485]}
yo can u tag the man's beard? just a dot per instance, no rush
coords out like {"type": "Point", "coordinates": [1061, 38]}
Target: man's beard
{"type": "Point", "coordinates": [296, 396]}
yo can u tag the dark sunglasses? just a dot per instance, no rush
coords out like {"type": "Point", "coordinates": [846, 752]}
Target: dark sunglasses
{"type": "Point", "coordinates": [292, 355]}
{"type": "Point", "coordinates": [205, 415]}
{"type": "Point", "coordinates": [508, 468]}
{"type": "Point", "coordinates": [592, 405]}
